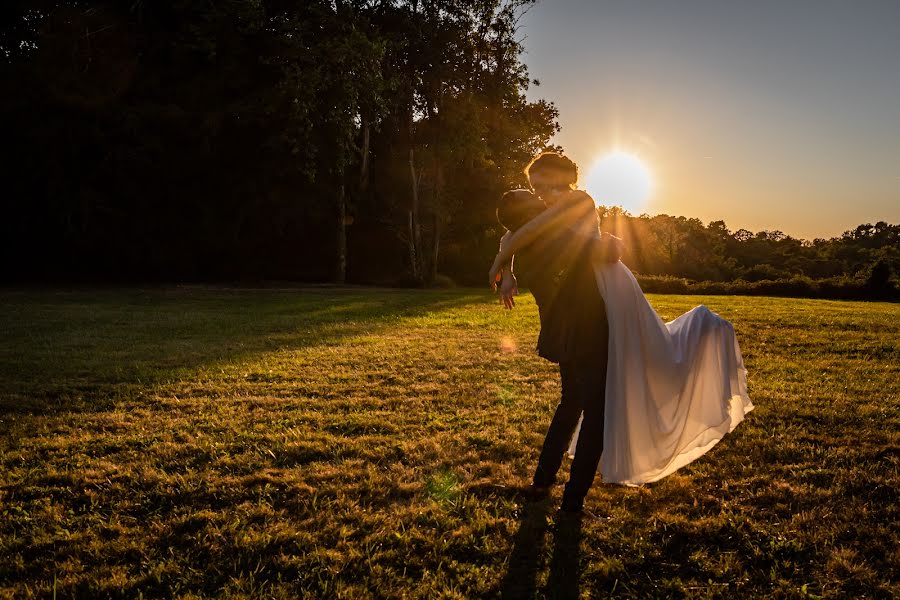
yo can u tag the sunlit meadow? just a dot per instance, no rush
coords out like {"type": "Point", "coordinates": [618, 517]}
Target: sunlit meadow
{"type": "Point", "coordinates": [346, 443]}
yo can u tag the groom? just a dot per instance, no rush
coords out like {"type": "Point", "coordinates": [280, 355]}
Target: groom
{"type": "Point", "coordinates": [558, 269]}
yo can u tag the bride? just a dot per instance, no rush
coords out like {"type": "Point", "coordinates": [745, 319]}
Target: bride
{"type": "Point", "coordinates": [673, 390]}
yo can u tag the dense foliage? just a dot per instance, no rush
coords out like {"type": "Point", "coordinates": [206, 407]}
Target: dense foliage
{"type": "Point", "coordinates": [260, 138]}
{"type": "Point", "coordinates": [362, 141]}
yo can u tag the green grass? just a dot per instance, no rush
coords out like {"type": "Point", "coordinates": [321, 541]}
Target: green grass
{"type": "Point", "coordinates": [202, 442]}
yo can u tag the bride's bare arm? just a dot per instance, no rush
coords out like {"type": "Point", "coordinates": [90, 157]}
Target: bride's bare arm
{"type": "Point", "coordinates": [505, 269]}
{"type": "Point", "coordinates": [561, 214]}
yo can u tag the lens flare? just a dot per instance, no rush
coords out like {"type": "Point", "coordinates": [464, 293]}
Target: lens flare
{"type": "Point", "coordinates": [508, 345]}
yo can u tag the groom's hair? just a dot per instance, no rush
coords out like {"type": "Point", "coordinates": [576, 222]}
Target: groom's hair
{"type": "Point", "coordinates": [554, 166]}
{"type": "Point", "coordinates": [517, 207]}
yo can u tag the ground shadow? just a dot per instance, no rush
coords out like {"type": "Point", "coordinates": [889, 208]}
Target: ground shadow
{"type": "Point", "coordinates": [525, 559]}
{"type": "Point", "coordinates": [76, 351]}
{"type": "Point", "coordinates": [565, 572]}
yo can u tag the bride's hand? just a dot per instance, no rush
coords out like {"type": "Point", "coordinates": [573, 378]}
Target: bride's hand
{"type": "Point", "coordinates": [509, 288]}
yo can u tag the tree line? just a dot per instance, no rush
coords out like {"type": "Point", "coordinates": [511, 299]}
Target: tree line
{"type": "Point", "coordinates": [343, 141]}
{"type": "Point", "coordinates": [673, 253]}
{"type": "Point", "coordinates": [340, 140]}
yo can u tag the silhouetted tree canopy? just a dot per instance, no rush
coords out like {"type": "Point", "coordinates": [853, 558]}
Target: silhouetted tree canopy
{"type": "Point", "coordinates": [261, 139]}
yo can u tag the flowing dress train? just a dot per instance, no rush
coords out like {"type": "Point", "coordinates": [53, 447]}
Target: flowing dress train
{"type": "Point", "coordinates": [673, 390]}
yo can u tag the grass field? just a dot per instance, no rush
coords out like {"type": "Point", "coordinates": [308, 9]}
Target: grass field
{"type": "Point", "coordinates": [198, 442]}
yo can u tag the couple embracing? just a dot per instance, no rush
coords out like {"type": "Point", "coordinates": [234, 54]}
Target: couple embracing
{"type": "Point", "coordinates": [640, 397]}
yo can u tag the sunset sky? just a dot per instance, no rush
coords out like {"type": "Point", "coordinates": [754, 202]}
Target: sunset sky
{"type": "Point", "coordinates": [769, 115]}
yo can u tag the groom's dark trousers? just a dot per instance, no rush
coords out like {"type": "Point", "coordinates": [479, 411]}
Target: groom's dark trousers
{"type": "Point", "coordinates": [574, 333]}
{"type": "Point", "coordinates": [583, 390]}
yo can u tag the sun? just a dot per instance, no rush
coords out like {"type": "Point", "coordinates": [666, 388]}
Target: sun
{"type": "Point", "coordinates": [620, 179]}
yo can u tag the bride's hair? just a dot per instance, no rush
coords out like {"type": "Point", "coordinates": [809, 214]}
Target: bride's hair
{"type": "Point", "coordinates": [554, 167]}
{"type": "Point", "coordinates": [517, 207]}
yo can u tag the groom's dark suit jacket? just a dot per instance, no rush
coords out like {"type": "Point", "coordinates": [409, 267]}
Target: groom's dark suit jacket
{"type": "Point", "coordinates": [559, 272]}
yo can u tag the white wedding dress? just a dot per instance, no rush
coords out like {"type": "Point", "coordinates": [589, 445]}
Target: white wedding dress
{"type": "Point", "coordinates": [673, 390]}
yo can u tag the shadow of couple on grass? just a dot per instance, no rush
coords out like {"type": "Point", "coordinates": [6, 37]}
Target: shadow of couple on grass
{"type": "Point", "coordinates": [527, 556]}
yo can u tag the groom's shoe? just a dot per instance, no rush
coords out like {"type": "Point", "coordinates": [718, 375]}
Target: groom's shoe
{"type": "Point", "coordinates": [536, 492]}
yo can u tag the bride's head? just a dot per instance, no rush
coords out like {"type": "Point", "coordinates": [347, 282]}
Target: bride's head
{"type": "Point", "coordinates": [551, 174]}
{"type": "Point", "coordinates": [517, 207]}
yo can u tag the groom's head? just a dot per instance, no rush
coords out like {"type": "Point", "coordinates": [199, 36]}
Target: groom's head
{"type": "Point", "coordinates": [517, 207]}
{"type": "Point", "coordinates": [550, 174]}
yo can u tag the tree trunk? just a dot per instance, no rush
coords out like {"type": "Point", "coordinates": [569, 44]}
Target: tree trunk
{"type": "Point", "coordinates": [340, 271]}
{"type": "Point", "coordinates": [413, 261]}
{"type": "Point", "coordinates": [437, 188]}
{"type": "Point", "coordinates": [364, 159]}
{"type": "Point", "coordinates": [437, 191]}
{"type": "Point", "coordinates": [415, 228]}
{"type": "Point", "coordinates": [435, 248]}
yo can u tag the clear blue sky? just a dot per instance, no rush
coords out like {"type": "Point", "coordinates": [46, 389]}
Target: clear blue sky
{"type": "Point", "coordinates": [769, 115]}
